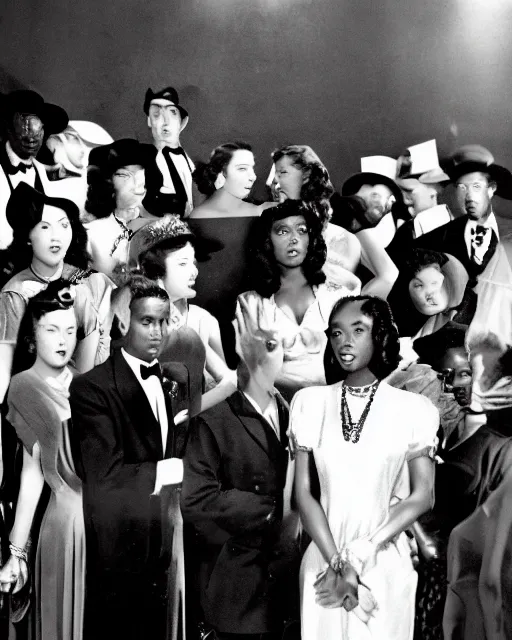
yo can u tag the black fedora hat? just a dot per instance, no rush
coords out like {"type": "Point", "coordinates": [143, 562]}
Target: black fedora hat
{"type": "Point", "coordinates": [121, 153]}
{"type": "Point", "coordinates": [352, 185]}
{"type": "Point", "coordinates": [25, 207]}
{"type": "Point", "coordinates": [432, 348]}
{"type": "Point", "coordinates": [169, 93]}
{"type": "Point", "coordinates": [54, 118]}
{"type": "Point", "coordinates": [501, 176]}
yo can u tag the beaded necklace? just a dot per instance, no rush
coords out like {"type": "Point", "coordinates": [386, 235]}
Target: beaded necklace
{"type": "Point", "coordinates": [352, 430]}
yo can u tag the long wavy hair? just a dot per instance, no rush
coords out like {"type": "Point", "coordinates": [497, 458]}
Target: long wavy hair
{"type": "Point", "coordinates": [264, 268]}
{"type": "Point", "coordinates": [317, 189]}
{"type": "Point", "coordinates": [101, 195]}
{"type": "Point", "coordinates": [206, 173]}
{"type": "Point", "coordinates": [386, 345]}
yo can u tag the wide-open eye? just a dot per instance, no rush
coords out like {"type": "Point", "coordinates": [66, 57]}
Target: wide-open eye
{"type": "Point", "coordinates": [271, 345]}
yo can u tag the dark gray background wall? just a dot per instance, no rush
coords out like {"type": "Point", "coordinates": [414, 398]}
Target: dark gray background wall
{"type": "Point", "coordinates": [348, 77]}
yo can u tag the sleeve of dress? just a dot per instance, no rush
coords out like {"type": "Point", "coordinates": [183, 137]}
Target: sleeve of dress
{"type": "Point", "coordinates": [305, 420]}
{"type": "Point", "coordinates": [86, 314]}
{"type": "Point", "coordinates": [425, 424]}
{"type": "Point", "coordinates": [17, 394]}
{"type": "Point", "coordinates": [12, 308]}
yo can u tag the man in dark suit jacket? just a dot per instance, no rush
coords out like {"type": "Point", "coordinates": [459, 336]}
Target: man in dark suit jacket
{"type": "Point", "coordinates": [234, 478]}
{"type": "Point", "coordinates": [472, 238]}
{"type": "Point", "coordinates": [128, 446]}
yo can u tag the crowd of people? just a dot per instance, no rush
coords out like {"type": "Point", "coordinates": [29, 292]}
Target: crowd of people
{"type": "Point", "coordinates": [225, 418]}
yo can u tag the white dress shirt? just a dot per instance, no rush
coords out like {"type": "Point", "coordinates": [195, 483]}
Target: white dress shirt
{"type": "Point", "coordinates": [5, 188]}
{"type": "Point", "coordinates": [271, 413]}
{"type": "Point", "coordinates": [185, 173]}
{"type": "Point", "coordinates": [168, 471]}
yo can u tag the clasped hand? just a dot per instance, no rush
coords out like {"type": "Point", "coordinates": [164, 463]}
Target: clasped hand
{"type": "Point", "coordinates": [14, 573]}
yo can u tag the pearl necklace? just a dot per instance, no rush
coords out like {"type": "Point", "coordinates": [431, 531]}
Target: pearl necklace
{"type": "Point", "coordinates": [361, 392]}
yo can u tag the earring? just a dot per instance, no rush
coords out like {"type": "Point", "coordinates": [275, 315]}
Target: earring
{"type": "Point", "coordinates": [31, 347]}
{"type": "Point", "coordinates": [220, 181]}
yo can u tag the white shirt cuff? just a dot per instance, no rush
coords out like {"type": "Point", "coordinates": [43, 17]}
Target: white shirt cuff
{"type": "Point", "coordinates": [168, 471]}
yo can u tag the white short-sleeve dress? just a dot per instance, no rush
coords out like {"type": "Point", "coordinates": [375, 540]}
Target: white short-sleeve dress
{"type": "Point", "coordinates": [358, 483]}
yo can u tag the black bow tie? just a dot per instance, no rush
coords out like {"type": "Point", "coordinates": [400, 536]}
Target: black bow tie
{"type": "Point", "coordinates": [179, 151]}
{"type": "Point", "coordinates": [146, 372]}
{"type": "Point", "coordinates": [480, 229]}
{"type": "Point", "coordinates": [22, 167]}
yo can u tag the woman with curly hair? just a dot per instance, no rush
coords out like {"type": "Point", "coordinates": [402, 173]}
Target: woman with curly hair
{"type": "Point", "coordinates": [226, 180]}
{"type": "Point", "coordinates": [286, 259]}
{"type": "Point", "coordinates": [49, 243]}
{"type": "Point", "coordinates": [370, 447]}
{"type": "Point", "coordinates": [300, 174]}
{"type": "Point", "coordinates": [39, 412]}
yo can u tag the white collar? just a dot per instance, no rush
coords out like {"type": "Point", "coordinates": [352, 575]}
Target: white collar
{"type": "Point", "coordinates": [490, 223]}
{"type": "Point", "coordinates": [14, 159]}
{"type": "Point", "coordinates": [135, 363]}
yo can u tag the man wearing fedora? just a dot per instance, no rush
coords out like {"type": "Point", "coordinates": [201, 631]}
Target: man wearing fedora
{"type": "Point", "coordinates": [473, 237]}
{"type": "Point", "coordinates": [169, 179]}
{"type": "Point", "coordinates": [28, 120]}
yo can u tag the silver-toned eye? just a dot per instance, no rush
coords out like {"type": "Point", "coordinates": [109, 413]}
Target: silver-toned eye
{"type": "Point", "coordinates": [271, 345]}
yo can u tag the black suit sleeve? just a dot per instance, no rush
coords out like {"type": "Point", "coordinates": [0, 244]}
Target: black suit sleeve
{"type": "Point", "coordinates": [116, 493]}
{"type": "Point", "coordinates": [216, 513]}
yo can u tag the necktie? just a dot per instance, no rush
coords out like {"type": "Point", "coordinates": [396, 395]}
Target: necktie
{"type": "Point", "coordinates": [479, 245]}
{"type": "Point", "coordinates": [179, 188]}
{"type": "Point", "coordinates": [146, 372]}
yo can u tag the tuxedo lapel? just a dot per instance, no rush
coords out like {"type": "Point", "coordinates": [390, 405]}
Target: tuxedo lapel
{"type": "Point", "coordinates": [136, 404]}
{"type": "Point", "coordinates": [176, 388]}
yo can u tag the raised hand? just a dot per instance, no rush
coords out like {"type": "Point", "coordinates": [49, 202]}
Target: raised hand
{"type": "Point", "coordinates": [258, 342]}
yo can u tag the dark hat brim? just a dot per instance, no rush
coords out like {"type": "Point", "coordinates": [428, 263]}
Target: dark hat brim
{"type": "Point", "coordinates": [352, 185]}
{"type": "Point", "coordinates": [25, 208]}
{"type": "Point", "coordinates": [152, 95]}
{"type": "Point", "coordinates": [498, 174]}
{"type": "Point", "coordinates": [431, 348]}
{"type": "Point", "coordinates": [121, 153]}
{"type": "Point", "coordinates": [54, 118]}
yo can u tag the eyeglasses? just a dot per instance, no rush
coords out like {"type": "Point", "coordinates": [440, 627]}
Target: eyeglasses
{"type": "Point", "coordinates": [476, 186]}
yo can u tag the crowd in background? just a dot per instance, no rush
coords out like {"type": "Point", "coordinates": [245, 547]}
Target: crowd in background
{"type": "Point", "coordinates": [225, 418]}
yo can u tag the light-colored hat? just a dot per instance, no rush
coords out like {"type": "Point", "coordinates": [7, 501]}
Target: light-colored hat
{"type": "Point", "coordinates": [91, 133]}
{"type": "Point", "coordinates": [374, 170]}
{"type": "Point", "coordinates": [420, 164]}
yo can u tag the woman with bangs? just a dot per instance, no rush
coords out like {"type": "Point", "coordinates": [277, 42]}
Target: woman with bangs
{"type": "Point", "coordinates": [286, 259]}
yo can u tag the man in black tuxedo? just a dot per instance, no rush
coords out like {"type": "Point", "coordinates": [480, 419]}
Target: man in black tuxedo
{"type": "Point", "coordinates": [473, 237]}
{"type": "Point", "coordinates": [234, 496]}
{"type": "Point", "coordinates": [169, 178]}
{"type": "Point", "coordinates": [28, 120]}
{"type": "Point", "coordinates": [127, 447]}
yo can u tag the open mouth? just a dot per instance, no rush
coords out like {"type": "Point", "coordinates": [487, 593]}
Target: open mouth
{"type": "Point", "coordinates": [347, 358]}
{"type": "Point", "coordinates": [61, 353]}
{"type": "Point", "coordinates": [54, 248]}
{"type": "Point", "coordinates": [293, 253]}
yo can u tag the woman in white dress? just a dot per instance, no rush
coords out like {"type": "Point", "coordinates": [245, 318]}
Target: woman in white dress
{"type": "Point", "coordinates": [287, 256]}
{"type": "Point", "coordinates": [372, 446]}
